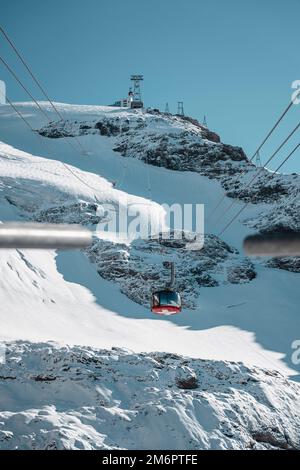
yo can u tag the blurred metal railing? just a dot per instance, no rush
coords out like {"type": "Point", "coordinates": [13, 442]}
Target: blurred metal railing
{"type": "Point", "coordinates": [279, 244]}
{"type": "Point", "coordinates": [44, 236]}
{"type": "Point", "coordinates": [62, 236]}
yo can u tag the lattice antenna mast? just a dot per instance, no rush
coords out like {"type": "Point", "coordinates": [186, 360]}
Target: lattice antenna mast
{"type": "Point", "coordinates": [180, 110]}
{"type": "Point", "coordinates": [137, 79]}
{"type": "Point", "coordinates": [167, 110]}
{"type": "Point", "coordinates": [204, 121]}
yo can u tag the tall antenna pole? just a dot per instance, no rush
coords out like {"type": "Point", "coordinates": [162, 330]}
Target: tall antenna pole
{"type": "Point", "coordinates": [258, 160]}
{"type": "Point", "coordinates": [180, 110]}
{"type": "Point", "coordinates": [204, 121]}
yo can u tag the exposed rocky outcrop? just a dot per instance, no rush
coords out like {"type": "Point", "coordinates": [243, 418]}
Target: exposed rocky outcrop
{"type": "Point", "coordinates": [186, 378]}
{"type": "Point", "coordinates": [288, 264]}
{"type": "Point", "coordinates": [84, 398]}
{"type": "Point", "coordinates": [179, 153]}
{"type": "Point", "coordinates": [181, 143]}
{"type": "Point", "coordinates": [283, 216]}
{"type": "Point", "coordinates": [139, 272]}
{"type": "Point", "coordinates": [242, 273]}
{"type": "Point", "coordinates": [266, 188]}
{"type": "Point", "coordinates": [84, 213]}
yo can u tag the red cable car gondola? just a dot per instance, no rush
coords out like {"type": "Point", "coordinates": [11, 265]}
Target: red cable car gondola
{"type": "Point", "coordinates": [166, 301]}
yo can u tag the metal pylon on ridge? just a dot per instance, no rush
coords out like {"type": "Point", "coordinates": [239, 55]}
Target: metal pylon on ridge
{"type": "Point", "coordinates": [180, 110]}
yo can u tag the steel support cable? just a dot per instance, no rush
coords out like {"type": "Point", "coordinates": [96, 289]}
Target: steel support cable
{"type": "Point", "coordinates": [273, 129]}
{"type": "Point", "coordinates": [148, 177]}
{"type": "Point", "coordinates": [30, 127]}
{"type": "Point", "coordinates": [36, 80]}
{"type": "Point", "coordinates": [286, 159]}
{"type": "Point", "coordinates": [118, 182]}
{"type": "Point", "coordinates": [258, 172]}
{"type": "Point", "coordinates": [34, 100]}
{"type": "Point", "coordinates": [23, 86]}
{"type": "Point", "coordinates": [29, 70]}
{"type": "Point", "coordinates": [149, 181]}
{"type": "Point", "coordinates": [257, 150]}
{"type": "Point", "coordinates": [121, 179]}
{"type": "Point", "coordinates": [44, 143]}
{"type": "Point", "coordinates": [19, 114]}
{"type": "Point", "coordinates": [251, 199]}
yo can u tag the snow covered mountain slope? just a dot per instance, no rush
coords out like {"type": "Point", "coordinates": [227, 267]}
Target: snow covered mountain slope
{"type": "Point", "coordinates": [81, 398]}
{"type": "Point", "coordinates": [60, 296]}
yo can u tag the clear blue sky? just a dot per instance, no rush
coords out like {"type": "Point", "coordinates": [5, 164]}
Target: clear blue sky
{"type": "Point", "coordinates": [232, 60]}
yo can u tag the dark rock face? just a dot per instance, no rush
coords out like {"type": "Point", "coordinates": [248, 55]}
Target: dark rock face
{"type": "Point", "coordinates": [181, 143]}
{"type": "Point", "coordinates": [192, 147]}
{"type": "Point", "coordinates": [83, 213]}
{"type": "Point", "coordinates": [44, 378]}
{"type": "Point", "coordinates": [192, 403]}
{"type": "Point", "coordinates": [138, 275]}
{"type": "Point", "coordinates": [186, 378]}
{"type": "Point", "coordinates": [214, 162]}
{"type": "Point", "coordinates": [212, 136]}
{"type": "Point", "coordinates": [269, 438]}
{"type": "Point", "coordinates": [187, 384]}
{"type": "Point", "coordinates": [195, 148]}
{"type": "Point", "coordinates": [207, 134]}
{"type": "Point", "coordinates": [265, 189]}
{"type": "Point", "coordinates": [283, 217]}
{"type": "Point", "coordinates": [242, 273]}
{"type": "Point", "coordinates": [288, 264]}
{"type": "Point", "coordinates": [107, 128]}
{"type": "Point", "coordinates": [134, 267]}
{"type": "Point", "coordinates": [54, 133]}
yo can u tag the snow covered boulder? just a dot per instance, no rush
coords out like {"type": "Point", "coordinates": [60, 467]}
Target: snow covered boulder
{"type": "Point", "coordinates": [186, 378]}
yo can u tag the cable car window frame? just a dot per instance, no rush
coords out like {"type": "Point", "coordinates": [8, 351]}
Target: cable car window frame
{"type": "Point", "coordinates": [158, 301]}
